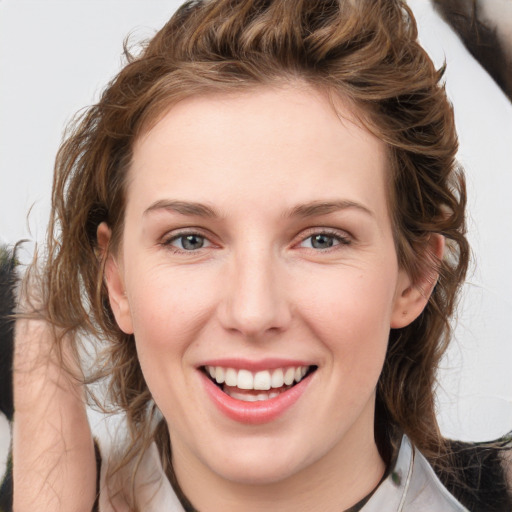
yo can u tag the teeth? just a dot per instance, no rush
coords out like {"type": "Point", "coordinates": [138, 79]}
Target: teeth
{"type": "Point", "coordinates": [231, 377]}
{"type": "Point", "coordinates": [289, 376]}
{"type": "Point", "coordinates": [245, 380]}
{"type": "Point", "coordinates": [261, 381]}
{"type": "Point", "coordinates": [248, 397]}
{"type": "Point", "coordinates": [220, 374]}
{"type": "Point", "coordinates": [277, 378]}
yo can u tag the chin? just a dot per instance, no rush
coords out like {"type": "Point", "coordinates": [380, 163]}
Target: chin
{"type": "Point", "coordinates": [259, 465]}
{"type": "Point", "coordinates": [257, 473]}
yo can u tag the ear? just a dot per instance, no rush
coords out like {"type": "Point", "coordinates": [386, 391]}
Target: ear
{"type": "Point", "coordinates": [113, 276]}
{"type": "Point", "coordinates": [412, 296]}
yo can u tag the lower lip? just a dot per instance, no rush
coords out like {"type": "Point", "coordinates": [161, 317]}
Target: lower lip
{"type": "Point", "coordinates": [254, 413]}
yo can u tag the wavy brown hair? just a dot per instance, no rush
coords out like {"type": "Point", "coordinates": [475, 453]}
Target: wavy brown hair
{"type": "Point", "coordinates": [365, 51]}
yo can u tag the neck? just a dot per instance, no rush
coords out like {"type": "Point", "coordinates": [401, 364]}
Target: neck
{"type": "Point", "coordinates": [335, 482]}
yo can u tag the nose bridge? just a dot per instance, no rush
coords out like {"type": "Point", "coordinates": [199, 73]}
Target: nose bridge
{"type": "Point", "coordinates": [255, 302]}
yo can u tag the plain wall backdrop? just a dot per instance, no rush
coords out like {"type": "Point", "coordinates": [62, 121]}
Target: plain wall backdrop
{"type": "Point", "coordinates": [55, 58]}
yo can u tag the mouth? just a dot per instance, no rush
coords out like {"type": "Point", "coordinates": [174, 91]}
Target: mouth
{"type": "Point", "coordinates": [263, 385]}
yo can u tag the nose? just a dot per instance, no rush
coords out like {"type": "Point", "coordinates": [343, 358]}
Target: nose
{"type": "Point", "coordinates": [255, 302]}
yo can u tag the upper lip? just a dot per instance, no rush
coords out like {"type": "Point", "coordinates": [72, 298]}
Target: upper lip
{"type": "Point", "coordinates": [254, 365]}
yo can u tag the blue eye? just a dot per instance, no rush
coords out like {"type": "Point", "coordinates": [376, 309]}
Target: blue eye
{"type": "Point", "coordinates": [189, 242]}
{"type": "Point", "coordinates": [323, 241]}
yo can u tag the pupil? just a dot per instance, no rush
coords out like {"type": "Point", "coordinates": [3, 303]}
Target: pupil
{"type": "Point", "coordinates": [191, 242]}
{"type": "Point", "coordinates": [322, 241]}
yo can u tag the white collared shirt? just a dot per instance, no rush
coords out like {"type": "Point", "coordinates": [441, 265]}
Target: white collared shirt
{"type": "Point", "coordinates": [412, 486]}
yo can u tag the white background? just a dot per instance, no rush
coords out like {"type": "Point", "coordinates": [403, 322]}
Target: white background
{"type": "Point", "coordinates": [55, 56]}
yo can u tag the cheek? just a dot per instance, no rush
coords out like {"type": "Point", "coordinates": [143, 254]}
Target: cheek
{"type": "Point", "coordinates": [163, 331]}
{"type": "Point", "coordinates": [169, 311]}
{"type": "Point", "coordinates": [351, 313]}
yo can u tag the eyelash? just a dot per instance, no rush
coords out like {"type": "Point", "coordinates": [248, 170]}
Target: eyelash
{"type": "Point", "coordinates": [167, 242]}
{"type": "Point", "coordinates": [338, 238]}
{"type": "Point", "coordinates": [342, 239]}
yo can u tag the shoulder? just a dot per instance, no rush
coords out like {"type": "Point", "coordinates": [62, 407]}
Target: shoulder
{"type": "Point", "coordinates": [412, 486]}
{"type": "Point", "coordinates": [153, 491]}
{"type": "Point", "coordinates": [476, 482]}
{"type": "Point", "coordinates": [482, 475]}
{"type": "Point", "coordinates": [427, 491]}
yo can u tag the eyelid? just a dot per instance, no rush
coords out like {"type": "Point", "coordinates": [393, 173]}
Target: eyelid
{"type": "Point", "coordinates": [344, 237]}
{"type": "Point", "coordinates": [169, 237]}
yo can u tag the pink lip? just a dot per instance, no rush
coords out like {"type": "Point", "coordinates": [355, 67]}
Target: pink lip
{"type": "Point", "coordinates": [254, 413]}
{"type": "Point", "coordinates": [254, 366]}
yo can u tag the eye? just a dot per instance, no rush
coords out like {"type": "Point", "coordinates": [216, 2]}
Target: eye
{"type": "Point", "coordinates": [188, 242]}
{"type": "Point", "coordinates": [323, 241]}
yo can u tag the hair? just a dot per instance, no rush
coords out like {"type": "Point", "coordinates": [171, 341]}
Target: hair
{"type": "Point", "coordinates": [364, 51]}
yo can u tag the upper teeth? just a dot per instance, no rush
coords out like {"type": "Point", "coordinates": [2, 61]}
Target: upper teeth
{"type": "Point", "coordinates": [262, 380]}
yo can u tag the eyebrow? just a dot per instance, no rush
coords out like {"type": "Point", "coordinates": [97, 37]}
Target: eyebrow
{"type": "Point", "coordinates": [183, 208]}
{"type": "Point", "coordinates": [317, 208]}
{"type": "Point", "coordinates": [312, 209]}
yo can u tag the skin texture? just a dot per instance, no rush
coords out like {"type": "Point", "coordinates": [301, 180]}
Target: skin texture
{"type": "Point", "coordinates": [54, 466]}
{"type": "Point", "coordinates": [258, 289]}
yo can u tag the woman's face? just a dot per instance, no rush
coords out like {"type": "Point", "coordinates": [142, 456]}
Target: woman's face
{"type": "Point", "coordinates": [258, 248]}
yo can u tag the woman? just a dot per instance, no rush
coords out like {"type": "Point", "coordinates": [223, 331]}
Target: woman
{"type": "Point", "coordinates": [264, 220]}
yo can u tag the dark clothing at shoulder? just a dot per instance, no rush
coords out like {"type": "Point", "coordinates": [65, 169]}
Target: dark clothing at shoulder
{"type": "Point", "coordinates": [479, 481]}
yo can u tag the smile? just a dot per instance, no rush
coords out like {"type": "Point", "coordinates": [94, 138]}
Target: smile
{"type": "Point", "coordinates": [258, 387]}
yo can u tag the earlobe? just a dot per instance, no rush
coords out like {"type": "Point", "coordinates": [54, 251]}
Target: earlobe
{"type": "Point", "coordinates": [114, 281]}
{"type": "Point", "coordinates": [411, 295]}
{"type": "Point", "coordinates": [409, 303]}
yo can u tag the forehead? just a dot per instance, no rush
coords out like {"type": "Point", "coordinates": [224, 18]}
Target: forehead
{"type": "Point", "coordinates": [223, 146]}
